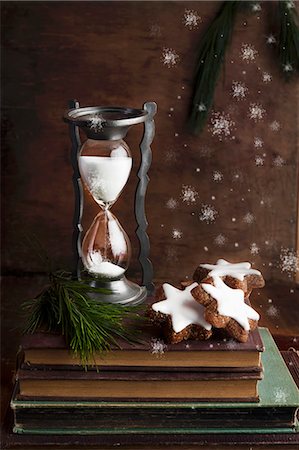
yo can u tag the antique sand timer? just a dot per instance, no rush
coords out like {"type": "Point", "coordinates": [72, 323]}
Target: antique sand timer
{"type": "Point", "coordinates": [104, 163]}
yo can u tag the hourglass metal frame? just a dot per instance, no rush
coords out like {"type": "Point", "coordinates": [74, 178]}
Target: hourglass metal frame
{"type": "Point", "coordinates": [139, 206]}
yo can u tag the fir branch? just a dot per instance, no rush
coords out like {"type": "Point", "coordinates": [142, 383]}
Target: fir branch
{"type": "Point", "coordinates": [288, 38]}
{"type": "Point", "coordinates": [211, 55]}
{"type": "Point", "coordinates": [88, 326]}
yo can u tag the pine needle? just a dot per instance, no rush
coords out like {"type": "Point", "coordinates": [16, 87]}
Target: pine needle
{"type": "Point", "coordinates": [211, 55]}
{"type": "Point", "coordinates": [88, 326]}
{"type": "Point", "coordinates": [288, 38]}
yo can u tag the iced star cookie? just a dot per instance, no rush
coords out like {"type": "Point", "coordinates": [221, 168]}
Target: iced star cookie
{"type": "Point", "coordinates": [236, 275]}
{"type": "Point", "coordinates": [226, 308]}
{"type": "Point", "coordinates": [179, 315]}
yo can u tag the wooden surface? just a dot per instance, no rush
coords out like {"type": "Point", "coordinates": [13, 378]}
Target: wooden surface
{"type": "Point", "coordinates": [112, 53]}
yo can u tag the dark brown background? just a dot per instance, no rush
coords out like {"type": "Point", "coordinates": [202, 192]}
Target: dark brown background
{"type": "Point", "coordinates": [111, 53]}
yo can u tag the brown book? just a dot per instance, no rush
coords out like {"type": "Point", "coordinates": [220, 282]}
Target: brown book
{"type": "Point", "coordinates": [137, 385]}
{"type": "Point", "coordinates": [221, 354]}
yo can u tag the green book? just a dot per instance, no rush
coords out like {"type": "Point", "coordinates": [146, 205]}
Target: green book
{"type": "Point", "coordinates": [274, 413]}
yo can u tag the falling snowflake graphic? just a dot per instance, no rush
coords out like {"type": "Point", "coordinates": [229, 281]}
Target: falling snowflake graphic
{"type": "Point", "coordinates": [201, 107]}
{"type": "Point", "coordinates": [237, 176]}
{"type": "Point", "coordinates": [239, 90]}
{"type": "Point", "coordinates": [169, 57]}
{"type": "Point", "coordinates": [272, 311]}
{"type": "Point", "coordinates": [287, 67]}
{"type": "Point", "coordinates": [158, 347]}
{"type": "Point", "coordinates": [289, 261]}
{"type": "Point", "coordinates": [191, 19]}
{"type": "Point", "coordinates": [205, 152]}
{"type": "Point", "coordinates": [254, 249]}
{"type": "Point", "coordinates": [217, 176]}
{"type": "Point", "coordinates": [155, 30]}
{"type": "Point", "coordinates": [220, 240]}
{"type": "Point", "coordinates": [278, 161]}
{"type": "Point", "coordinates": [221, 125]}
{"type": "Point", "coordinates": [271, 39]}
{"type": "Point", "coordinates": [258, 142]}
{"type": "Point", "coordinates": [189, 194]}
{"type": "Point", "coordinates": [290, 5]}
{"type": "Point", "coordinates": [177, 234]}
{"type": "Point", "coordinates": [266, 77]}
{"type": "Point", "coordinates": [171, 254]}
{"type": "Point", "coordinates": [256, 7]}
{"type": "Point", "coordinates": [97, 122]}
{"type": "Point", "coordinates": [208, 213]}
{"type": "Point", "coordinates": [231, 344]}
{"type": "Point", "coordinates": [280, 396]}
{"type": "Point", "coordinates": [256, 112]}
{"type": "Point", "coordinates": [259, 160]}
{"type": "Point", "coordinates": [171, 156]}
{"type": "Point", "coordinates": [248, 52]}
{"type": "Point", "coordinates": [171, 203]}
{"type": "Point", "coordinates": [249, 218]}
{"type": "Point", "coordinates": [274, 126]}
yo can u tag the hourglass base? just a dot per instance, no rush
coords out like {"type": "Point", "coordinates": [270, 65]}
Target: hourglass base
{"type": "Point", "coordinates": [123, 292]}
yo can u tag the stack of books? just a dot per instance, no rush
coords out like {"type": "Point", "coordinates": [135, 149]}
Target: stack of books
{"type": "Point", "coordinates": [216, 386]}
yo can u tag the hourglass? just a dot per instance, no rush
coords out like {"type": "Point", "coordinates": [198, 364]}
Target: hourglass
{"type": "Point", "coordinates": [104, 163]}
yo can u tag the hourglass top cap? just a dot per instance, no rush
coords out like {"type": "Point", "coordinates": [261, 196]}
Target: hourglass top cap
{"type": "Point", "coordinates": [105, 122]}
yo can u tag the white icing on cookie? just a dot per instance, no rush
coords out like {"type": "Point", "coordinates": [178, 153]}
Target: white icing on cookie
{"type": "Point", "coordinates": [182, 307]}
{"type": "Point", "coordinates": [236, 270]}
{"type": "Point", "coordinates": [231, 302]}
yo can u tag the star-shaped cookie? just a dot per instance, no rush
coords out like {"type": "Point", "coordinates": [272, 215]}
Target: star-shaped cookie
{"type": "Point", "coordinates": [179, 314]}
{"type": "Point", "coordinates": [236, 275]}
{"type": "Point", "coordinates": [226, 307]}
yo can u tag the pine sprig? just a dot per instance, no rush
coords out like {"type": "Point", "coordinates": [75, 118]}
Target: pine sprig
{"type": "Point", "coordinates": [211, 55]}
{"type": "Point", "coordinates": [288, 38]}
{"type": "Point", "coordinates": [88, 326]}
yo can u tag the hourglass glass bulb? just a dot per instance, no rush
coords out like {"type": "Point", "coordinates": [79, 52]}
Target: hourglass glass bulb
{"type": "Point", "coordinates": [106, 247]}
{"type": "Point", "coordinates": [105, 167]}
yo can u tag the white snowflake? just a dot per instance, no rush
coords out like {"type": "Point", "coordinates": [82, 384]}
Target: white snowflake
{"type": "Point", "coordinates": [259, 160]}
{"type": "Point", "coordinates": [289, 261]}
{"type": "Point", "coordinates": [290, 5]}
{"type": "Point", "coordinates": [231, 344]}
{"type": "Point", "coordinates": [208, 213]}
{"type": "Point", "coordinates": [189, 194]}
{"type": "Point", "coordinates": [217, 176]}
{"type": "Point", "coordinates": [256, 112]}
{"type": "Point", "coordinates": [256, 7]}
{"type": "Point", "coordinates": [171, 254]}
{"type": "Point", "coordinates": [266, 77]}
{"type": "Point", "coordinates": [191, 19]}
{"type": "Point", "coordinates": [177, 234]}
{"type": "Point", "coordinates": [248, 218]}
{"type": "Point", "coordinates": [205, 152]}
{"type": "Point", "coordinates": [220, 240]}
{"type": "Point", "coordinates": [239, 90]}
{"type": "Point", "coordinates": [158, 347]}
{"type": "Point", "coordinates": [258, 142]}
{"type": "Point", "coordinates": [278, 161]}
{"type": "Point", "coordinates": [171, 156]}
{"type": "Point", "coordinates": [237, 176]}
{"type": "Point", "coordinates": [248, 52]}
{"type": "Point", "coordinates": [171, 203]}
{"type": "Point", "coordinates": [221, 125]}
{"type": "Point", "coordinates": [254, 249]}
{"type": "Point", "coordinates": [96, 122]}
{"type": "Point", "coordinates": [201, 107]}
{"type": "Point", "coordinates": [271, 39]}
{"type": "Point", "coordinates": [274, 126]}
{"type": "Point", "coordinates": [287, 67]}
{"type": "Point", "coordinates": [272, 311]}
{"type": "Point", "coordinates": [280, 396]}
{"type": "Point", "coordinates": [169, 57]}
{"type": "Point", "coordinates": [155, 30]}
